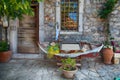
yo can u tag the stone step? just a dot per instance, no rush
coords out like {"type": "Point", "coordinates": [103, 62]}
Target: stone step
{"type": "Point", "coordinates": [28, 56]}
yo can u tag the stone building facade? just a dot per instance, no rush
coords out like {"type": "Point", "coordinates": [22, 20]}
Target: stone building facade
{"type": "Point", "coordinates": [90, 25]}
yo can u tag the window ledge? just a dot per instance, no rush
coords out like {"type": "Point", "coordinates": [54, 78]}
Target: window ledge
{"type": "Point", "coordinates": [70, 32]}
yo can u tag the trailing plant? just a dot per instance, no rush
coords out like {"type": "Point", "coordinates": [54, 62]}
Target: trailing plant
{"type": "Point", "coordinates": [104, 13]}
{"type": "Point", "coordinates": [107, 8]}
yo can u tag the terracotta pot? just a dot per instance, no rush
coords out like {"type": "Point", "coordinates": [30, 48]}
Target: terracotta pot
{"type": "Point", "coordinates": [5, 56]}
{"type": "Point", "coordinates": [69, 74]}
{"type": "Point", "coordinates": [107, 55]}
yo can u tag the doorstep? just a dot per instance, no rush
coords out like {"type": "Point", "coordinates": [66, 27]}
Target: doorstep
{"type": "Point", "coordinates": [27, 56]}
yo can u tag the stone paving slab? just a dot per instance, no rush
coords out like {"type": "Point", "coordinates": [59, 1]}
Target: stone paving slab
{"type": "Point", "coordinates": [24, 69]}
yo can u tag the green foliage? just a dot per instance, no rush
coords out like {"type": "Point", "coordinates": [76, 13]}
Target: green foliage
{"type": "Point", "coordinates": [107, 8]}
{"type": "Point", "coordinates": [68, 64]}
{"type": "Point", "coordinates": [104, 13]}
{"type": "Point", "coordinates": [53, 49]}
{"type": "Point", "coordinates": [4, 46]}
{"type": "Point", "coordinates": [15, 8]}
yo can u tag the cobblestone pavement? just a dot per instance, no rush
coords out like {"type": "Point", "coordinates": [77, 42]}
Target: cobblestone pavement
{"type": "Point", "coordinates": [24, 69]}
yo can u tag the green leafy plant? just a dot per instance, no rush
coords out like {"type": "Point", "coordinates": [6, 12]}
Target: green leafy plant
{"type": "Point", "coordinates": [104, 13]}
{"type": "Point", "coordinates": [68, 64]}
{"type": "Point", "coordinates": [15, 8]}
{"type": "Point", "coordinates": [4, 46]}
{"type": "Point", "coordinates": [107, 8]}
{"type": "Point", "coordinates": [53, 49]}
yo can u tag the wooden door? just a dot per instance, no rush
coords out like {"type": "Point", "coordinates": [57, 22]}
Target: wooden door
{"type": "Point", "coordinates": [28, 33]}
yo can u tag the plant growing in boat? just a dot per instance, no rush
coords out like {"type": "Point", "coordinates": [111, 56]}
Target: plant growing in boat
{"type": "Point", "coordinates": [53, 49]}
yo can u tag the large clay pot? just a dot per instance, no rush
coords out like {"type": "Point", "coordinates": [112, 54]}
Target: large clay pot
{"type": "Point", "coordinates": [107, 55]}
{"type": "Point", "coordinates": [69, 74]}
{"type": "Point", "coordinates": [5, 56]}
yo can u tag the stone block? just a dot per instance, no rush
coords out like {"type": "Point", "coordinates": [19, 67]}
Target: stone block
{"type": "Point", "coordinates": [116, 61]}
{"type": "Point", "coordinates": [116, 55]}
{"type": "Point", "coordinates": [116, 58]}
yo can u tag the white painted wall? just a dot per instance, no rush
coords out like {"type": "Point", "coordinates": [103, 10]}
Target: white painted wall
{"type": "Point", "coordinates": [41, 22]}
{"type": "Point", "coordinates": [13, 35]}
{"type": "Point", "coordinates": [81, 12]}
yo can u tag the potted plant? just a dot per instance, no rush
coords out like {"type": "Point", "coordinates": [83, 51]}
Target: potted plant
{"type": "Point", "coordinates": [5, 53]}
{"type": "Point", "coordinates": [107, 52]}
{"type": "Point", "coordinates": [104, 14]}
{"type": "Point", "coordinates": [69, 67]}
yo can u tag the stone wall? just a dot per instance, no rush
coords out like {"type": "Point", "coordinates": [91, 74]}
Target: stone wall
{"type": "Point", "coordinates": [92, 25]}
{"type": "Point", "coordinates": [49, 19]}
{"type": "Point", "coordinates": [115, 23]}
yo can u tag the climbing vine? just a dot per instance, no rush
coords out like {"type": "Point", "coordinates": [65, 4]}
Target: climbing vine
{"type": "Point", "coordinates": [104, 13]}
{"type": "Point", "coordinates": [107, 8]}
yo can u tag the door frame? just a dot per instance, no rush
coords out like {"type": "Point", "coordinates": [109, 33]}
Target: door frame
{"type": "Point", "coordinates": [36, 11]}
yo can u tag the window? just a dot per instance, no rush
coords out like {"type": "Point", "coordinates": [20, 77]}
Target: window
{"type": "Point", "coordinates": [69, 15]}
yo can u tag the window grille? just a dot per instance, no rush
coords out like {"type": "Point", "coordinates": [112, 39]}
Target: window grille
{"type": "Point", "coordinates": [69, 15]}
